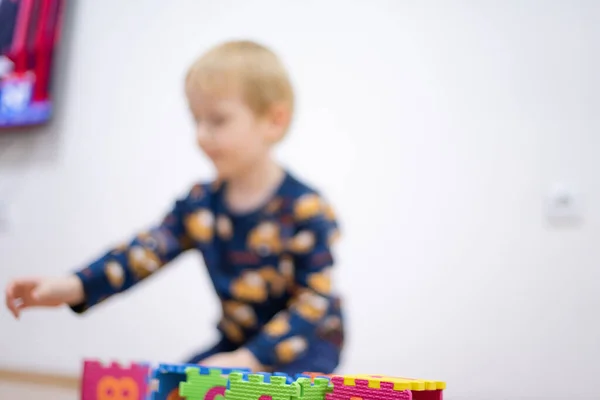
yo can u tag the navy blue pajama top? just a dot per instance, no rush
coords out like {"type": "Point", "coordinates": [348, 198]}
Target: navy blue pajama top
{"type": "Point", "coordinates": [270, 268]}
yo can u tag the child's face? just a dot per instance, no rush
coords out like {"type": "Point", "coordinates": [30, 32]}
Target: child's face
{"type": "Point", "coordinates": [229, 133]}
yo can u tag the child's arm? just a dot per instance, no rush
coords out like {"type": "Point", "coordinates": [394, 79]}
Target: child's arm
{"type": "Point", "coordinates": [284, 337]}
{"type": "Point", "coordinates": [124, 266]}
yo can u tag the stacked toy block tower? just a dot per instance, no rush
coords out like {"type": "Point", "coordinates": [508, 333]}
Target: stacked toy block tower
{"type": "Point", "coordinates": [193, 382]}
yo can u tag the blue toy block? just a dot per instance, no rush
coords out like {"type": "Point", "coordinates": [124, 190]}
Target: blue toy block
{"type": "Point", "coordinates": [167, 377]}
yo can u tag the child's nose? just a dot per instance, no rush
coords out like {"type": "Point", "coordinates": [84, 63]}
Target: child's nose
{"type": "Point", "coordinates": [206, 140]}
{"type": "Point", "coordinates": [203, 135]}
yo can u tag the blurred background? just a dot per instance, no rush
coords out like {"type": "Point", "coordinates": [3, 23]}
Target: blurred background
{"type": "Point", "coordinates": [458, 141]}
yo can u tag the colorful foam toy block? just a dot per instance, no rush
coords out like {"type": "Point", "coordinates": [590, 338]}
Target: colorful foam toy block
{"type": "Point", "coordinates": [201, 383]}
{"type": "Point", "coordinates": [244, 386]}
{"type": "Point", "coordinates": [421, 389]}
{"type": "Point", "coordinates": [350, 388]}
{"type": "Point", "coordinates": [314, 388]}
{"type": "Point", "coordinates": [139, 381]}
{"type": "Point", "coordinates": [165, 381]}
{"type": "Point", "coordinates": [114, 382]}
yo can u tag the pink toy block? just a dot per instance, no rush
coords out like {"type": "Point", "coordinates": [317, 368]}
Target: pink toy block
{"type": "Point", "coordinates": [361, 390]}
{"type": "Point", "coordinates": [420, 389]}
{"type": "Point", "coordinates": [114, 382]}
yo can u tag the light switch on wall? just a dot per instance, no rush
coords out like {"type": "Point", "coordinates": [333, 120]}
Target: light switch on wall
{"type": "Point", "coordinates": [563, 204]}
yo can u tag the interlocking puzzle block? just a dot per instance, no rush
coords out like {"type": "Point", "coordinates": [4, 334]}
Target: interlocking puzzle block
{"type": "Point", "coordinates": [165, 381]}
{"type": "Point", "coordinates": [350, 388]}
{"type": "Point", "coordinates": [114, 382]}
{"type": "Point", "coordinates": [314, 388]}
{"type": "Point", "coordinates": [244, 386]}
{"type": "Point", "coordinates": [421, 389]}
{"type": "Point", "coordinates": [201, 383]}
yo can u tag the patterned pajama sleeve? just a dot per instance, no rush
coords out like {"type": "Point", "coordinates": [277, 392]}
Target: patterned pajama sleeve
{"type": "Point", "coordinates": [124, 266]}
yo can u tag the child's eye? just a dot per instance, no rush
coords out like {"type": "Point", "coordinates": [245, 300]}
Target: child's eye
{"type": "Point", "coordinates": [218, 120]}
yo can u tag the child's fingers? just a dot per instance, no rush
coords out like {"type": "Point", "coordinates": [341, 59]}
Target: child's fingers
{"type": "Point", "coordinates": [26, 293]}
{"type": "Point", "coordinates": [22, 288]}
{"type": "Point", "coordinates": [18, 294]}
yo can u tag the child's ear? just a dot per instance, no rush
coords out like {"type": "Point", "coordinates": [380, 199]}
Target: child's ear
{"type": "Point", "coordinates": [278, 119]}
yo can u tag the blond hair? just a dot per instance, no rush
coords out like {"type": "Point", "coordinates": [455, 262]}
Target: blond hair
{"type": "Point", "coordinates": [244, 66]}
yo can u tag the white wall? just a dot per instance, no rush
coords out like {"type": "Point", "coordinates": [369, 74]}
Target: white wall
{"type": "Point", "coordinates": [447, 122]}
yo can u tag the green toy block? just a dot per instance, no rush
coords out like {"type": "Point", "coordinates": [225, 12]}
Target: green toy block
{"type": "Point", "coordinates": [199, 386]}
{"type": "Point", "coordinates": [314, 390]}
{"type": "Point", "coordinates": [254, 388]}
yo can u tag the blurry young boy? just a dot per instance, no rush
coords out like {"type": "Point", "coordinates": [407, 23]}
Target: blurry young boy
{"type": "Point", "coordinates": [265, 236]}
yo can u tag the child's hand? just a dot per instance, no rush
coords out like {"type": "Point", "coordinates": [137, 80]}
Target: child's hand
{"type": "Point", "coordinates": [43, 292]}
{"type": "Point", "coordinates": [241, 358]}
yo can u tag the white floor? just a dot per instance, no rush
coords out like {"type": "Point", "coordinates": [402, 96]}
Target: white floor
{"type": "Point", "coordinates": [20, 391]}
